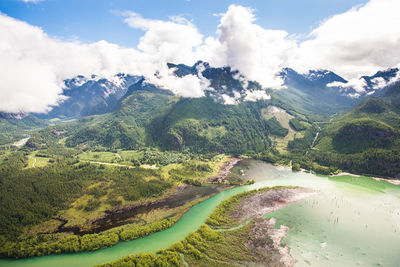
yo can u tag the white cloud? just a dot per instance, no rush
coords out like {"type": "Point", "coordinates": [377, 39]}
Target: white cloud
{"type": "Point", "coordinates": [228, 100]}
{"type": "Point", "coordinates": [259, 54]}
{"type": "Point", "coordinates": [353, 88]}
{"type": "Point", "coordinates": [358, 42]}
{"type": "Point", "coordinates": [360, 85]}
{"type": "Point", "coordinates": [31, 1]}
{"type": "Point", "coordinates": [167, 41]}
{"type": "Point", "coordinates": [380, 83]}
{"type": "Point", "coordinates": [253, 96]}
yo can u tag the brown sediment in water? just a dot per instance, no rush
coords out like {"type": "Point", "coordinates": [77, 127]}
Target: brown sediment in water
{"type": "Point", "coordinates": [266, 243]}
{"type": "Point", "coordinates": [225, 170]}
{"type": "Point", "coordinates": [262, 203]}
{"type": "Point", "coordinates": [255, 207]}
{"type": "Point", "coordinates": [392, 181]}
{"type": "Point", "coordinates": [346, 174]}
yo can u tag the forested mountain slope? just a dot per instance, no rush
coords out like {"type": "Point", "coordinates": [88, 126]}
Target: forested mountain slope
{"type": "Point", "coordinates": [172, 123]}
{"type": "Point", "coordinates": [366, 139]}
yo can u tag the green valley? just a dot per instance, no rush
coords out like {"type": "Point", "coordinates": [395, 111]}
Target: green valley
{"type": "Point", "coordinates": [125, 161]}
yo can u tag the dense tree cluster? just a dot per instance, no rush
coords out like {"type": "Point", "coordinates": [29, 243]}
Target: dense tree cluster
{"type": "Point", "coordinates": [161, 259]}
{"type": "Point", "coordinates": [301, 145]}
{"type": "Point", "coordinates": [31, 196]}
{"type": "Point", "coordinates": [358, 135]}
{"type": "Point", "coordinates": [297, 125]}
{"type": "Point", "coordinates": [53, 244]}
{"type": "Point", "coordinates": [380, 162]}
{"type": "Point", "coordinates": [203, 126]}
{"type": "Point", "coordinates": [275, 128]}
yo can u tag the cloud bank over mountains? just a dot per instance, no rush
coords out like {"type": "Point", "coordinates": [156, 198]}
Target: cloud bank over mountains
{"type": "Point", "coordinates": [358, 42]}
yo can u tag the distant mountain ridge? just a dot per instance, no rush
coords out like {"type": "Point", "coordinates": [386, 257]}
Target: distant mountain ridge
{"type": "Point", "coordinates": [310, 93]}
{"type": "Point", "coordinates": [91, 96]}
{"type": "Point", "coordinates": [379, 80]}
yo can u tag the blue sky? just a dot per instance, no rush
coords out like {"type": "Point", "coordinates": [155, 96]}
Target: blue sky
{"type": "Point", "coordinates": [92, 20]}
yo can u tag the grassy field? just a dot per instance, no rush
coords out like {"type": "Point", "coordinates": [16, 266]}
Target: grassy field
{"type": "Point", "coordinates": [144, 157]}
{"type": "Point", "coordinates": [35, 162]}
{"type": "Point", "coordinates": [283, 118]}
{"type": "Point", "coordinates": [108, 157]}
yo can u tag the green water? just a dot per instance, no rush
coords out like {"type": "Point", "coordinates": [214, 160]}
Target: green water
{"type": "Point", "coordinates": [353, 221]}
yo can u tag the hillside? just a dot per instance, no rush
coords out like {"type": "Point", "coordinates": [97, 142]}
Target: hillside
{"type": "Point", "coordinates": [171, 123]}
{"type": "Point", "coordinates": [366, 139]}
{"type": "Point", "coordinates": [310, 94]}
{"type": "Point", "coordinates": [17, 126]}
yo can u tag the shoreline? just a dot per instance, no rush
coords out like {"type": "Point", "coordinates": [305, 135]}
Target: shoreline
{"type": "Point", "coordinates": [260, 204]}
{"type": "Point", "coordinates": [391, 181]}
{"type": "Point", "coordinates": [224, 170]}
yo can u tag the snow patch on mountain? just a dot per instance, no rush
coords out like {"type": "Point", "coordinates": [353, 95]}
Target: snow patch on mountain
{"type": "Point", "coordinates": [369, 85]}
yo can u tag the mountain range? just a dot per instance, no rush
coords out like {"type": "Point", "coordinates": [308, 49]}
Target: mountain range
{"type": "Point", "coordinates": [310, 93]}
{"type": "Point", "coordinates": [311, 110]}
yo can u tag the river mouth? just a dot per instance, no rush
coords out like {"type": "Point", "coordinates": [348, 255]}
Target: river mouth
{"type": "Point", "coordinates": [352, 221]}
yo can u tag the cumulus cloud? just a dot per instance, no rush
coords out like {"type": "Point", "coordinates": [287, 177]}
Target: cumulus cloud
{"type": "Point", "coordinates": [259, 54]}
{"type": "Point", "coordinates": [164, 42]}
{"type": "Point", "coordinates": [167, 41]}
{"type": "Point", "coordinates": [358, 42]}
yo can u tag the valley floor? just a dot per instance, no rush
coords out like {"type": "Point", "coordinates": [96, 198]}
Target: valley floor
{"type": "Point", "coordinates": [103, 226]}
{"type": "Point", "coordinates": [235, 234]}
